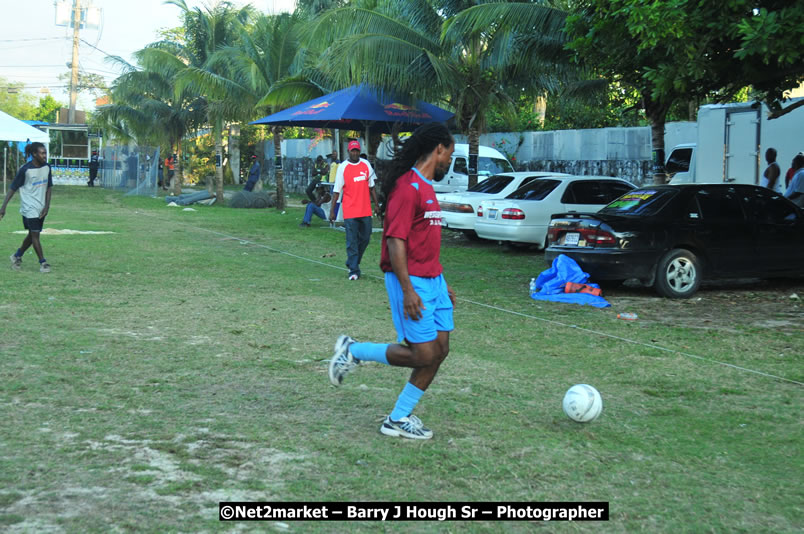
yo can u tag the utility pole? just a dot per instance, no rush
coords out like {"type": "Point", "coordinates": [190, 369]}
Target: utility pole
{"type": "Point", "coordinates": [74, 77]}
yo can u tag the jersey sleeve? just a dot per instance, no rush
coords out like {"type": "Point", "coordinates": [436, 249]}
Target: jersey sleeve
{"type": "Point", "coordinates": [339, 179]}
{"type": "Point", "coordinates": [400, 212]}
{"type": "Point", "coordinates": [19, 180]}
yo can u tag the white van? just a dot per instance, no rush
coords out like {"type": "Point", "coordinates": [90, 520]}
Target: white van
{"type": "Point", "coordinates": [490, 162]}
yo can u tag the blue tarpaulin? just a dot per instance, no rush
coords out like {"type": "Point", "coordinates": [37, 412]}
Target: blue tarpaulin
{"type": "Point", "coordinates": [550, 284]}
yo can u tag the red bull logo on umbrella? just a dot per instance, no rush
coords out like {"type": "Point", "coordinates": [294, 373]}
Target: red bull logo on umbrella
{"type": "Point", "coordinates": [401, 110]}
{"type": "Point", "coordinates": [315, 108]}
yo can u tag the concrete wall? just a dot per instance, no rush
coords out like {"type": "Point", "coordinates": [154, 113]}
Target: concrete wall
{"type": "Point", "coordinates": [623, 152]}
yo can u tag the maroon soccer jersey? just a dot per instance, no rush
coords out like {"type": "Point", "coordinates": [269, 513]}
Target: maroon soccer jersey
{"type": "Point", "coordinates": [413, 214]}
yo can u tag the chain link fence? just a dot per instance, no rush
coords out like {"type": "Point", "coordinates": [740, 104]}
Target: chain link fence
{"type": "Point", "coordinates": [134, 170]}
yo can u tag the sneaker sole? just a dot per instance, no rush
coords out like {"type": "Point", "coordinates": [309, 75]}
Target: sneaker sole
{"type": "Point", "coordinates": [341, 341]}
{"type": "Point", "coordinates": [400, 434]}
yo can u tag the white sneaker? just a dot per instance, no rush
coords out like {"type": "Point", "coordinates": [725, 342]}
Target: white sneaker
{"type": "Point", "coordinates": [44, 267]}
{"type": "Point", "coordinates": [16, 262]}
{"type": "Point", "coordinates": [342, 362]}
{"type": "Point", "coordinates": [410, 427]}
{"type": "Point", "coordinates": [353, 277]}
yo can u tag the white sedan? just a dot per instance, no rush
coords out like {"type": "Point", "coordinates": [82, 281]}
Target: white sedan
{"type": "Point", "coordinates": [523, 216]}
{"type": "Point", "coordinates": [458, 209]}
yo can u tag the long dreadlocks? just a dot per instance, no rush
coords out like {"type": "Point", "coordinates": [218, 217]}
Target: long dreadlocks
{"type": "Point", "coordinates": [423, 141]}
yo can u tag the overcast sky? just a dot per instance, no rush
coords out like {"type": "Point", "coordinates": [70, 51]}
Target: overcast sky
{"type": "Point", "coordinates": [34, 51]}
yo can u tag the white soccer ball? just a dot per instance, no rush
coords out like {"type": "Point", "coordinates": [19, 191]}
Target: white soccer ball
{"type": "Point", "coordinates": [582, 403]}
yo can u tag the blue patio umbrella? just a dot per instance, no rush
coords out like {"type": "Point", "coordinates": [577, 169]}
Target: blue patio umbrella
{"type": "Point", "coordinates": [358, 108]}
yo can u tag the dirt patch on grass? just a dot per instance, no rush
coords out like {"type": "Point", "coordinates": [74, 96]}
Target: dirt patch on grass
{"type": "Point", "coordinates": [725, 305]}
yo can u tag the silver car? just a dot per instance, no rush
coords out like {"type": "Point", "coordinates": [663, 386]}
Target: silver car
{"type": "Point", "coordinates": [522, 217]}
{"type": "Point", "coordinates": [458, 210]}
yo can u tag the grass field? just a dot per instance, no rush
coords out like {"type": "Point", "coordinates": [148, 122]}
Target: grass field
{"type": "Point", "coordinates": [181, 361]}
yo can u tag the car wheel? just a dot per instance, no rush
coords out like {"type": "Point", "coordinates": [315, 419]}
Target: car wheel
{"type": "Point", "coordinates": [678, 274]}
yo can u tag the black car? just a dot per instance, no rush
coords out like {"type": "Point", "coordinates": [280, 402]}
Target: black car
{"type": "Point", "coordinates": [673, 236]}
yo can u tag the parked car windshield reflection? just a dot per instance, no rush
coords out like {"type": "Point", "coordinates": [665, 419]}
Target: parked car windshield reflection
{"type": "Point", "coordinates": [535, 190]}
{"type": "Point", "coordinates": [489, 166]}
{"type": "Point", "coordinates": [492, 185]}
{"type": "Point", "coordinates": [640, 202]}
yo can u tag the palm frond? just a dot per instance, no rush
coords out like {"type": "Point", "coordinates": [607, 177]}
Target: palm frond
{"type": "Point", "coordinates": [342, 23]}
{"type": "Point", "coordinates": [527, 19]}
{"type": "Point", "coordinates": [290, 92]}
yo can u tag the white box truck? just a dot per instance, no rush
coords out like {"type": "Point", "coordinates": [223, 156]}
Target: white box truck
{"type": "Point", "coordinates": [731, 144]}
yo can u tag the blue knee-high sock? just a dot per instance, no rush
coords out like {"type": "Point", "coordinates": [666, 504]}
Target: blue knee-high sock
{"type": "Point", "coordinates": [406, 402]}
{"type": "Point", "coordinates": [370, 352]}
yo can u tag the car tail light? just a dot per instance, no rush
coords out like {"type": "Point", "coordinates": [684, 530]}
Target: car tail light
{"type": "Point", "coordinates": [513, 213]}
{"type": "Point", "coordinates": [552, 234]}
{"type": "Point", "coordinates": [599, 237]}
{"type": "Point", "coordinates": [480, 211]}
{"type": "Point", "coordinates": [591, 236]}
{"type": "Point", "coordinates": [457, 208]}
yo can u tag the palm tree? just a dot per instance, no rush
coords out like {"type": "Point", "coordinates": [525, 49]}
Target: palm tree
{"type": "Point", "coordinates": [267, 70]}
{"type": "Point", "coordinates": [431, 50]}
{"type": "Point", "coordinates": [206, 31]}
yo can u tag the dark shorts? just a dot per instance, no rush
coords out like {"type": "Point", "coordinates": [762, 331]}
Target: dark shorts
{"type": "Point", "coordinates": [33, 225]}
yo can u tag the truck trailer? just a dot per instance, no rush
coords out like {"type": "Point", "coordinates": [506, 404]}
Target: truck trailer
{"type": "Point", "coordinates": [731, 144]}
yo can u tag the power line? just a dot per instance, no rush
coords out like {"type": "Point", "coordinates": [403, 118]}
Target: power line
{"type": "Point", "coordinates": [31, 39]}
{"type": "Point", "coordinates": [96, 48]}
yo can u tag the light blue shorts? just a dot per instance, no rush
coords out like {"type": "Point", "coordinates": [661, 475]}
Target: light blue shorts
{"type": "Point", "coordinates": [436, 317]}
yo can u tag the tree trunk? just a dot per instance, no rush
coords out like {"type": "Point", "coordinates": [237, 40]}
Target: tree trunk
{"type": "Point", "coordinates": [234, 152]}
{"type": "Point", "coordinates": [474, 141]}
{"type": "Point", "coordinates": [178, 175]}
{"type": "Point", "coordinates": [280, 179]}
{"type": "Point", "coordinates": [219, 159]}
{"type": "Point", "coordinates": [656, 113]}
{"type": "Point", "coordinates": [540, 108]}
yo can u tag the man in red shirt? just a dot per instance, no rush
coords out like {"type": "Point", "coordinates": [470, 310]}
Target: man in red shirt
{"type": "Point", "coordinates": [421, 302]}
{"type": "Point", "coordinates": [354, 189]}
{"type": "Point", "coordinates": [170, 165]}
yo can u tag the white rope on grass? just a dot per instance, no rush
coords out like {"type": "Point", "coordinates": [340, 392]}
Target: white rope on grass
{"type": "Point", "coordinates": [634, 342]}
{"type": "Point", "coordinates": [512, 312]}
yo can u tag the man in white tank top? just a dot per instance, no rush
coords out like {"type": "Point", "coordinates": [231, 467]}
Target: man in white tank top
{"type": "Point", "coordinates": [770, 178]}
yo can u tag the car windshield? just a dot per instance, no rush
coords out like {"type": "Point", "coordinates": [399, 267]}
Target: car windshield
{"type": "Point", "coordinates": [488, 166]}
{"type": "Point", "coordinates": [492, 185]}
{"type": "Point", "coordinates": [535, 190]}
{"type": "Point", "coordinates": [640, 202]}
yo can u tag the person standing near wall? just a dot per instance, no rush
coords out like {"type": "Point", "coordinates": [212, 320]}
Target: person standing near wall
{"type": "Point", "coordinates": [170, 165]}
{"type": "Point", "coordinates": [253, 174]}
{"type": "Point", "coordinates": [94, 164]}
{"type": "Point", "coordinates": [771, 176]}
{"type": "Point", "coordinates": [796, 190]}
{"type": "Point", "coordinates": [354, 188]}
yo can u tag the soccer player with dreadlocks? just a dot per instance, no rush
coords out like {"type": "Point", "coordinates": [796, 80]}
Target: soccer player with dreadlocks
{"type": "Point", "coordinates": [421, 302]}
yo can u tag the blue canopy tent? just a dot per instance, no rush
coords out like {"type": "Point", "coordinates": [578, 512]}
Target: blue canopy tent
{"type": "Point", "coordinates": [359, 108]}
{"type": "Point", "coordinates": [355, 108]}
